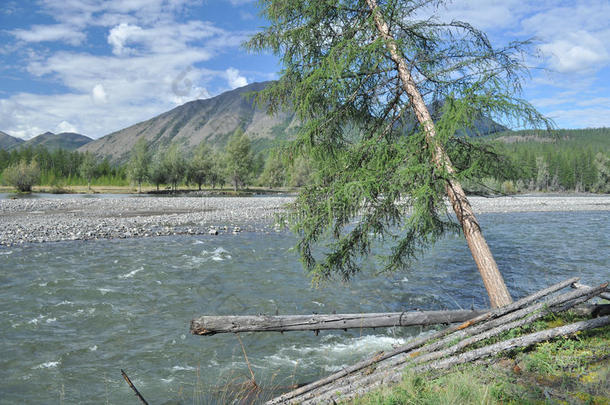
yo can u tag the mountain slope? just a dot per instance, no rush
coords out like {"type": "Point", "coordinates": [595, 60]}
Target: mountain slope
{"type": "Point", "coordinates": [64, 140]}
{"type": "Point", "coordinates": [212, 120]}
{"type": "Point", "coordinates": [8, 142]}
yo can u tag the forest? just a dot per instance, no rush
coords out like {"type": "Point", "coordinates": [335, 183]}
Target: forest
{"type": "Point", "coordinates": [575, 160]}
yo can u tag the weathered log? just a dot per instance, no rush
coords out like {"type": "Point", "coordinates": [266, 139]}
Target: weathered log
{"type": "Point", "coordinates": [439, 349]}
{"type": "Point", "coordinates": [356, 389]}
{"type": "Point", "coordinates": [604, 295]}
{"type": "Point", "coordinates": [420, 341]}
{"type": "Point", "coordinates": [210, 325]}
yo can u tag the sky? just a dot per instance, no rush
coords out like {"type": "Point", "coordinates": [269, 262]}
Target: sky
{"type": "Point", "coordinates": [95, 67]}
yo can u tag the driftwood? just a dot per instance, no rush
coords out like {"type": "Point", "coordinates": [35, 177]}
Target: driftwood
{"type": "Point", "coordinates": [438, 349]}
{"type": "Point", "coordinates": [395, 365]}
{"type": "Point", "coordinates": [604, 295]}
{"type": "Point", "coordinates": [210, 325]}
{"type": "Point", "coordinates": [430, 352]}
{"type": "Point", "coordinates": [522, 341]}
{"type": "Point", "coordinates": [418, 342]}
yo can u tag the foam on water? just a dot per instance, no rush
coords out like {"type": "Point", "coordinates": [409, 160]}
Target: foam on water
{"type": "Point", "coordinates": [183, 368]}
{"type": "Point", "coordinates": [333, 354]}
{"type": "Point", "coordinates": [48, 364]}
{"type": "Point", "coordinates": [218, 255]}
{"type": "Point", "coordinates": [131, 273]}
{"type": "Point", "coordinates": [8, 252]}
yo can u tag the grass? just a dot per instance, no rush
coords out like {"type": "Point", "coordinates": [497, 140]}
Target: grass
{"type": "Point", "coordinates": [568, 370]}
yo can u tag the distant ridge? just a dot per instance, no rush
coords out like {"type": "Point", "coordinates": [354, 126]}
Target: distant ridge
{"type": "Point", "coordinates": [63, 140]}
{"type": "Point", "coordinates": [212, 120]}
{"type": "Point", "coordinates": [8, 142]}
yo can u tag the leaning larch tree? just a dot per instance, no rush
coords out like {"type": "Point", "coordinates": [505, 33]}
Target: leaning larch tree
{"type": "Point", "coordinates": [389, 97]}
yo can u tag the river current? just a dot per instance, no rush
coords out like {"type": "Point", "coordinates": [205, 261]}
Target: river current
{"type": "Point", "coordinates": [73, 314]}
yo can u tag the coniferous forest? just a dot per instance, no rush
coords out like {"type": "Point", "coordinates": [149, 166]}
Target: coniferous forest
{"type": "Point", "coordinates": [575, 160]}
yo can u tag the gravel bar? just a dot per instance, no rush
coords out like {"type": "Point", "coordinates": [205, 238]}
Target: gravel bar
{"type": "Point", "coordinates": [46, 220]}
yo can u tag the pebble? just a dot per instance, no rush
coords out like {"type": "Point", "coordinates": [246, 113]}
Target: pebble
{"type": "Point", "coordinates": [47, 220]}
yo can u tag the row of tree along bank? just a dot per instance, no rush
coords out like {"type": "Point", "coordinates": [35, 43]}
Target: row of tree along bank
{"type": "Point", "coordinates": [236, 165]}
{"type": "Point", "coordinates": [561, 161]}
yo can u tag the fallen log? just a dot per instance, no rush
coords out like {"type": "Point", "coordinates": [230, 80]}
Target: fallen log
{"type": "Point", "coordinates": [210, 325]}
{"type": "Point", "coordinates": [439, 349]}
{"type": "Point", "coordinates": [604, 295]}
{"type": "Point", "coordinates": [418, 342]}
{"type": "Point", "coordinates": [487, 351]}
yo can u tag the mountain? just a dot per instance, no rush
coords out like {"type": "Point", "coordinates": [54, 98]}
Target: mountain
{"type": "Point", "coordinates": [8, 142]}
{"type": "Point", "coordinates": [64, 140]}
{"type": "Point", "coordinates": [212, 120]}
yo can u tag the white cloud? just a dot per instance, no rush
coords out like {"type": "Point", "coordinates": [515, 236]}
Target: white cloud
{"type": "Point", "coordinates": [49, 33]}
{"type": "Point", "coordinates": [574, 38]}
{"type": "Point", "coordinates": [65, 126]}
{"type": "Point", "coordinates": [154, 61]}
{"type": "Point", "coordinates": [575, 52]}
{"type": "Point", "coordinates": [234, 79]}
{"type": "Point", "coordinates": [120, 35]}
{"type": "Point", "coordinates": [99, 94]}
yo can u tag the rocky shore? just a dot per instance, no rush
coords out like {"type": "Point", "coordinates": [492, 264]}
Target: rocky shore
{"type": "Point", "coordinates": [46, 220]}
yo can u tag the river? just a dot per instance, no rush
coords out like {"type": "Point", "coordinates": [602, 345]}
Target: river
{"type": "Point", "coordinates": [73, 314]}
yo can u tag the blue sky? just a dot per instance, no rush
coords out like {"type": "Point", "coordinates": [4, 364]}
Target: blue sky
{"type": "Point", "coordinates": [94, 67]}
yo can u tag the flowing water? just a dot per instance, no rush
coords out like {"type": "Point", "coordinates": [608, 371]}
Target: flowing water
{"type": "Point", "coordinates": [73, 314]}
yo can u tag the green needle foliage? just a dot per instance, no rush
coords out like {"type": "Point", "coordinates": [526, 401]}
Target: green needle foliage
{"type": "Point", "coordinates": [139, 163]}
{"type": "Point", "coordinates": [374, 172]}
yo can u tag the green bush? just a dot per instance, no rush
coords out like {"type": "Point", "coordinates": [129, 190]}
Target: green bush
{"type": "Point", "coordinates": [22, 175]}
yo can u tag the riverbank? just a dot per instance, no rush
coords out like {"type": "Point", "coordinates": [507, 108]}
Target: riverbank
{"type": "Point", "coordinates": [48, 220]}
{"type": "Point", "coordinates": [77, 218]}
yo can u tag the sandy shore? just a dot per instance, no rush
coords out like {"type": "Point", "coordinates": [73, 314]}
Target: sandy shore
{"type": "Point", "coordinates": [44, 220]}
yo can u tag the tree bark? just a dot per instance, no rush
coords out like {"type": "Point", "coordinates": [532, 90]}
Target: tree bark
{"type": "Point", "coordinates": [210, 325]}
{"type": "Point", "coordinates": [492, 279]}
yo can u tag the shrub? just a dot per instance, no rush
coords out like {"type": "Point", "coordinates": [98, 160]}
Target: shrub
{"type": "Point", "coordinates": [22, 175]}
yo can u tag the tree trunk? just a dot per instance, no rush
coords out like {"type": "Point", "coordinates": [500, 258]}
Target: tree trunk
{"type": "Point", "coordinates": [210, 325]}
{"type": "Point", "coordinates": [492, 279]}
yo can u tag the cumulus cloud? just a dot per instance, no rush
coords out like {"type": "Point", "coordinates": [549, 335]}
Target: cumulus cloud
{"type": "Point", "coordinates": [99, 94]}
{"type": "Point", "coordinates": [234, 79]}
{"type": "Point", "coordinates": [154, 61]}
{"type": "Point", "coordinates": [576, 52]}
{"type": "Point", "coordinates": [120, 35]}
